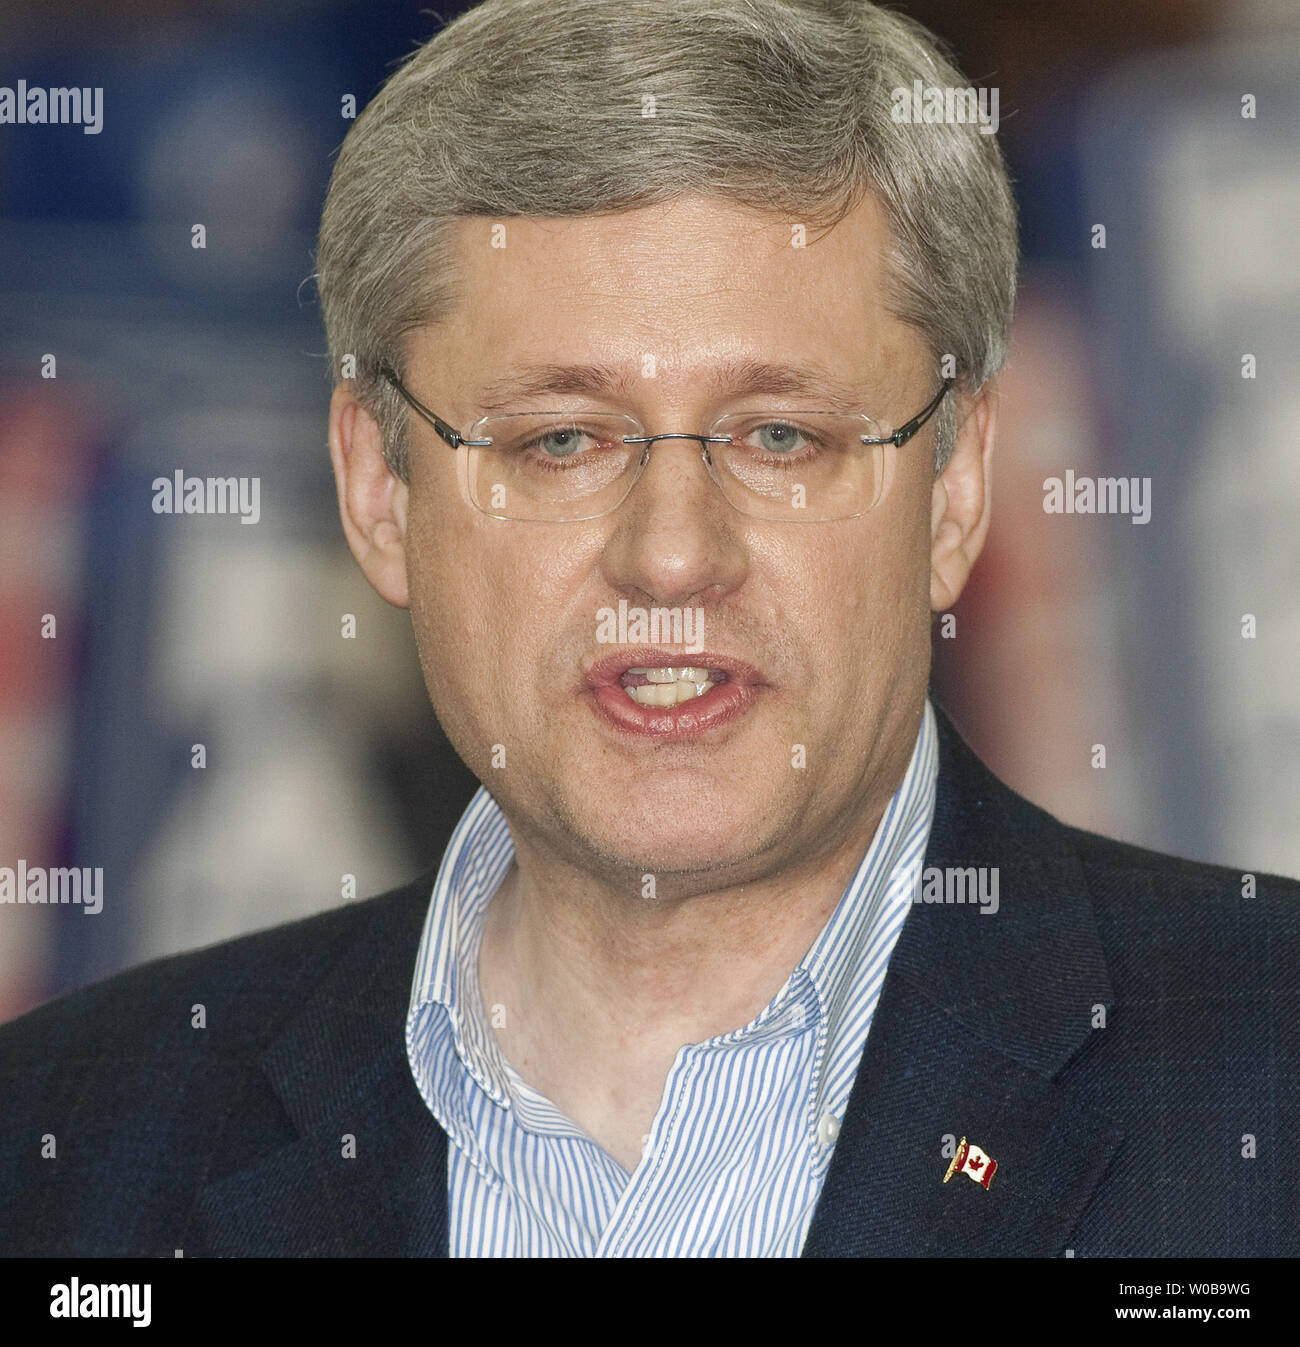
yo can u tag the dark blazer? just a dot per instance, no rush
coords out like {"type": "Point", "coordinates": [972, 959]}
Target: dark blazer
{"type": "Point", "coordinates": [1127, 1139]}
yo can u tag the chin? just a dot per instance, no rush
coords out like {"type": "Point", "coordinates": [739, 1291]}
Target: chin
{"type": "Point", "coordinates": [686, 832]}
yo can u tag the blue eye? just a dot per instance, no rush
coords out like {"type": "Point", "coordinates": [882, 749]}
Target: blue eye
{"type": "Point", "coordinates": [781, 438]}
{"type": "Point", "coordinates": [562, 443]}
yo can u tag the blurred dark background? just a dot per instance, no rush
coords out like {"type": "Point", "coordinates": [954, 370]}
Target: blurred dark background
{"type": "Point", "coordinates": [323, 757]}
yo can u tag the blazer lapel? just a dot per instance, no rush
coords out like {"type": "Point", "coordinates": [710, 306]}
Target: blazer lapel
{"type": "Point", "coordinates": [979, 1016]}
{"type": "Point", "coordinates": [367, 1173]}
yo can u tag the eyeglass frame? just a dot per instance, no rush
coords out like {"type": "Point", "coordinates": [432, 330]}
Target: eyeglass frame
{"type": "Point", "coordinates": [455, 439]}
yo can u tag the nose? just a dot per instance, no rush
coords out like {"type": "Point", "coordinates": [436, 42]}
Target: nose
{"type": "Point", "coordinates": [675, 537]}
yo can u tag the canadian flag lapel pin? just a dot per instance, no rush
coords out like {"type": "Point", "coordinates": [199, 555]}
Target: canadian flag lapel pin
{"type": "Point", "coordinates": [974, 1163]}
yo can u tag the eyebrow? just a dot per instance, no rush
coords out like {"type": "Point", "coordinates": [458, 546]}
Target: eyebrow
{"type": "Point", "coordinates": [733, 379]}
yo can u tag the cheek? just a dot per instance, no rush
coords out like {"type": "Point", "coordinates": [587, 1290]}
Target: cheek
{"type": "Point", "coordinates": [446, 589]}
{"type": "Point", "coordinates": [476, 600]}
{"type": "Point", "coordinates": [873, 611]}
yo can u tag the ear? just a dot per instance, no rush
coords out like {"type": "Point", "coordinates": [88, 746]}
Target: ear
{"type": "Point", "coordinates": [960, 501]}
{"type": "Point", "coordinates": [372, 499]}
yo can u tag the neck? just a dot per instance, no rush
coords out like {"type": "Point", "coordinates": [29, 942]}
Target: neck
{"type": "Point", "coordinates": [601, 986]}
{"type": "Point", "coordinates": [596, 963]}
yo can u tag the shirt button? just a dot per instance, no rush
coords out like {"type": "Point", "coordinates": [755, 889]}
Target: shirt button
{"type": "Point", "coordinates": [828, 1128]}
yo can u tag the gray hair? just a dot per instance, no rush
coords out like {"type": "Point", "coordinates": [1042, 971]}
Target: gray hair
{"type": "Point", "coordinates": [532, 108]}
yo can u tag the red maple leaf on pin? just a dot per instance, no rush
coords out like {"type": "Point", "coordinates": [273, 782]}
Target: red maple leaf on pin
{"type": "Point", "coordinates": [975, 1164]}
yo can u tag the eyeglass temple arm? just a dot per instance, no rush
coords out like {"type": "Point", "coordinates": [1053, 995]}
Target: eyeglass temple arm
{"type": "Point", "coordinates": [905, 432]}
{"type": "Point", "coordinates": [452, 436]}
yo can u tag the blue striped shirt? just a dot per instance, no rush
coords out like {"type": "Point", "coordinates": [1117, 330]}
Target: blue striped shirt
{"type": "Point", "coordinates": [746, 1126]}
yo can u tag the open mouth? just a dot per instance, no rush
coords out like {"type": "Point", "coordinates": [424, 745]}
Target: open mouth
{"type": "Point", "coordinates": [669, 685]}
{"type": "Point", "coordinates": [649, 691]}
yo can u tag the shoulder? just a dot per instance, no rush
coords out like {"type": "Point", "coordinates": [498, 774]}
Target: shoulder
{"type": "Point", "coordinates": [1106, 855]}
{"type": "Point", "coordinates": [1201, 957]}
{"type": "Point", "coordinates": [1132, 890]}
{"type": "Point", "coordinates": [240, 990]}
{"type": "Point", "coordinates": [121, 1100]}
{"type": "Point", "coordinates": [1135, 890]}
{"type": "Point", "coordinates": [1173, 926]}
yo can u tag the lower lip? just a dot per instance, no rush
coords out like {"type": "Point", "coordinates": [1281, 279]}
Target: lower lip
{"type": "Point", "coordinates": [691, 719]}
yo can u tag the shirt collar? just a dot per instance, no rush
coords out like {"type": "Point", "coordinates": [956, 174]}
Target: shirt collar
{"type": "Point", "coordinates": [476, 860]}
{"type": "Point", "coordinates": [859, 937]}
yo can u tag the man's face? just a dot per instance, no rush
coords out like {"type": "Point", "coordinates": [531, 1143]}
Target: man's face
{"type": "Point", "coordinates": [821, 628]}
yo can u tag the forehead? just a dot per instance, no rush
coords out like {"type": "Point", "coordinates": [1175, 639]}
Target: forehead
{"type": "Point", "coordinates": [688, 283]}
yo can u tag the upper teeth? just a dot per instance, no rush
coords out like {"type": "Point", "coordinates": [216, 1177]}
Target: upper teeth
{"type": "Point", "coordinates": [669, 685]}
